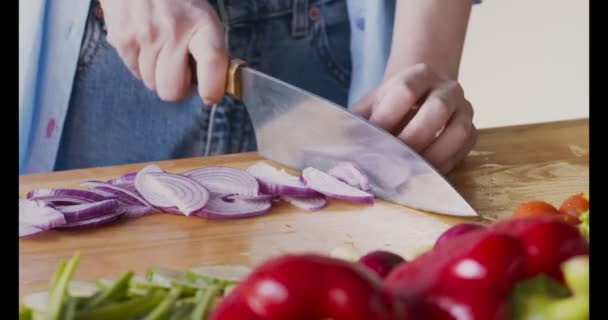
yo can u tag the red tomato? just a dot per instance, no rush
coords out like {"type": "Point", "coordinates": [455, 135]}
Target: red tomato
{"type": "Point", "coordinates": [573, 207]}
{"type": "Point", "coordinates": [534, 209]}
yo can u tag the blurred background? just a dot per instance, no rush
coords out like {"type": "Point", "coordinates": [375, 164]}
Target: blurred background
{"type": "Point", "coordinates": [527, 61]}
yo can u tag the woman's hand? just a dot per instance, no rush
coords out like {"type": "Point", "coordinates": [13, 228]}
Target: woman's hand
{"type": "Point", "coordinates": [155, 39]}
{"type": "Point", "coordinates": [426, 111]}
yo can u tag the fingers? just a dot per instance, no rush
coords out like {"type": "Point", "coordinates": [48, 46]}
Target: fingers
{"type": "Point", "coordinates": [129, 53]}
{"type": "Point", "coordinates": [155, 39]}
{"type": "Point", "coordinates": [400, 95]}
{"type": "Point", "coordinates": [208, 50]}
{"type": "Point", "coordinates": [173, 75]}
{"type": "Point", "coordinates": [432, 116]}
{"type": "Point", "coordinates": [149, 51]}
{"type": "Point", "coordinates": [454, 161]}
{"type": "Point", "coordinates": [363, 107]}
{"type": "Point", "coordinates": [457, 136]}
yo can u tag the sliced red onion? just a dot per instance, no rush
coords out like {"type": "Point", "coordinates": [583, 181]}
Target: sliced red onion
{"type": "Point", "coordinates": [27, 230]}
{"type": "Point", "coordinates": [230, 197]}
{"type": "Point", "coordinates": [333, 188]}
{"type": "Point", "coordinates": [127, 178]}
{"type": "Point", "coordinates": [351, 174]}
{"type": "Point", "coordinates": [103, 193]}
{"type": "Point", "coordinates": [172, 190]}
{"type": "Point", "coordinates": [123, 194]}
{"type": "Point", "coordinates": [225, 180]}
{"type": "Point", "coordinates": [88, 210]}
{"type": "Point", "coordinates": [279, 182]}
{"type": "Point", "coordinates": [137, 211]}
{"type": "Point", "coordinates": [37, 215]}
{"type": "Point", "coordinates": [52, 194]}
{"type": "Point", "coordinates": [95, 222]}
{"type": "Point", "coordinates": [218, 208]}
{"type": "Point", "coordinates": [306, 203]}
{"type": "Point", "coordinates": [62, 201]}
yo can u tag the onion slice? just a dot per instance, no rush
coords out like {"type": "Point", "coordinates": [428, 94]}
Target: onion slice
{"type": "Point", "coordinates": [37, 216]}
{"type": "Point", "coordinates": [306, 203]}
{"type": "Point", "coordinates": [219, 208]}
{"type": "Point", "coordinates": [351, 174]}
{"type": "Point", "coordinates": [167, 190]}
{"type": "Point", "coordinates": [88, 210]}
{"type": "Point", "coordinates": [225, 180]}
{"type": "Point", "coordinates": [230, 197]}
{"type": "Point", "coordinates": [279, 182]}
{"type": "Point", "coordinates": [123, 194]}
{"type": "Point", "coordinates": [25, 230]}
{"type": "Point", "coordinates": [333, 188]}
{"type": "Point", "coordinates": [127, 178]}
{"type": "Point", "coordinates": [95, 222]}
{"type": "Point", "coordinates": [52, 194]}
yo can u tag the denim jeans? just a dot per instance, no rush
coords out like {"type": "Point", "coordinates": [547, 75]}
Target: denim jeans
{"type": "Point", "coordinates": [114, 119]}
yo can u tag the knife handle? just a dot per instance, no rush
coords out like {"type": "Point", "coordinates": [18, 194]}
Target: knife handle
{"type": "Point", "coordinates": [233, 79]}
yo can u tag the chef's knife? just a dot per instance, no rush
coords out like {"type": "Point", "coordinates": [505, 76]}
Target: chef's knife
{"type": "Point", "coordinates": [299, 129]}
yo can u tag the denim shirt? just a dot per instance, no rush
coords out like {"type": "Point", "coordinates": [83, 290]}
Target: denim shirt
{"type": "Point", "coordinates": [49, 52]}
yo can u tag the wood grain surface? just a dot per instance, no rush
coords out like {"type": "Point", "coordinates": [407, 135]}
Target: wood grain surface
{"type": "Point", "coordinates": [508, 166]}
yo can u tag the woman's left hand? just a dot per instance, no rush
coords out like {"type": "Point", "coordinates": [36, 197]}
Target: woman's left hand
{"type": "Point", "coordinates": [427, 112]}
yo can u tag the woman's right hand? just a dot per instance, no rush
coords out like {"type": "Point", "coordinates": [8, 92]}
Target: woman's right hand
{"type": "Point", "coordinates": [155, 39]}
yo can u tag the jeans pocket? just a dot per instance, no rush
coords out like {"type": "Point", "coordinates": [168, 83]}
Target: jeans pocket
{"type": "Point", "coordinates": [94, 35]}
{"type": "Point", "coordinates": [332, 43]}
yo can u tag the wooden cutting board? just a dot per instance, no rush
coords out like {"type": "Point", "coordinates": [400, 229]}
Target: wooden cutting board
{"type": "Point", "coordinates": [508, 166]}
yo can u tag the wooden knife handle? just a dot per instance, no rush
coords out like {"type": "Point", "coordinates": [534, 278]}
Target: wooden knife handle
{"type": "Point", "coordinates": [233, 80]}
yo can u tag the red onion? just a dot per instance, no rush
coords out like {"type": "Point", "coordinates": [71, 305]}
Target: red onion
{"type": "Point", "coordinates": [279, 182]}
{"type": "Point", "coordinates": [53, 194]}
{"type": "Point", "coordinates": [26, 230]}
{"type": "Point", "coordinates": [137, 211]}
{"type": "Point", "coordinates": [36, 216]}
{"type": "Point", "coordinates": [219, 208]}
{"type": "Point", "coordinates": [306, 203]}
{"type": "Point", "coordinates": [225, 180]}
{"type": "Point", "coordinates": [62, 201]}
{"type": "Point", "coordinates": [167, 190]}
{"type": "Point", "coordinates": [333, 188]}
{"type": "Point", "coordinates": [123, 194]}
{"type": "Point", "coordinates": [127, 178]}
{"type": "Point", "coordinates": [95, 222]}
{"type": "Point", "coordinates": [351, 174]}
{"type": "Point", "coordinates": [230, 197]}
{"type": "Point", "coordinates": [88, 210]}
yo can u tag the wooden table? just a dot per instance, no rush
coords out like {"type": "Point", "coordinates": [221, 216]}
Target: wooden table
{"type": "Point", "coordinates": [508, 166]}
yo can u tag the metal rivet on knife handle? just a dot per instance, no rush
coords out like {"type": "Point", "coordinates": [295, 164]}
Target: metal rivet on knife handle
{"type": "Point", "coordinates": [233, 83]}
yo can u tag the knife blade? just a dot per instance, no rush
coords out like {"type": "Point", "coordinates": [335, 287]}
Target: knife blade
{"type": "Point", "coordinates": [299, 129]}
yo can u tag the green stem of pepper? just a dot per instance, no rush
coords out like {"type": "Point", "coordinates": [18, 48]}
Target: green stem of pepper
{"type": "Point", "coordinates": [58, 291]}
{"type": "Point", "coordinates": [116, 290]}
{"type": "Point", "coordinates": [125, 310]}
{"type": "Point", "coordinates": [205, 297]}
{"type": "Point", "coordinates": [161, 311]}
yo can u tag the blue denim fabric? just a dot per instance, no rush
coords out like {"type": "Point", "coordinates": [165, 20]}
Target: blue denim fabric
{"type": "Point", "coordinates": [113, 119]}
